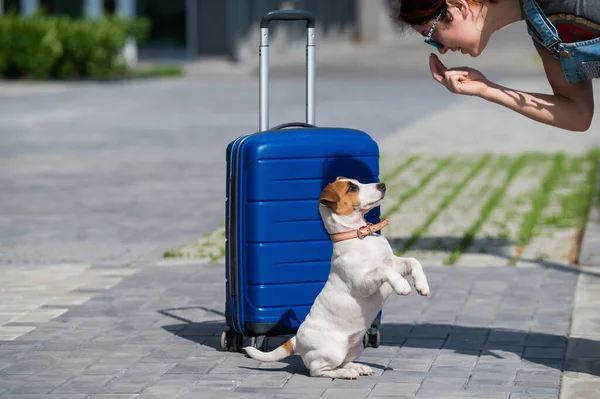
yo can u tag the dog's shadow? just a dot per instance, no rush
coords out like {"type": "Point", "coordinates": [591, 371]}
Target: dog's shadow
{"type": "Point", "coordinates": [208, 333]}
{"type": "Point", "coordinates": [547, 351]}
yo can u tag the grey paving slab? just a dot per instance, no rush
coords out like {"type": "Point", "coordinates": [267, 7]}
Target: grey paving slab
{"type": "Point", "coordinates": [164, 341]}
{"type": "Point", "coordinates": [582, 356]}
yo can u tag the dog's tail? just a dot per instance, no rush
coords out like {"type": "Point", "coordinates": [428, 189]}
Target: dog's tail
{"type": "Point", "coordinates": [286, 349]}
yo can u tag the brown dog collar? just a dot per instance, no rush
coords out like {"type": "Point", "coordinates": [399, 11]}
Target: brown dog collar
{"type": "Point", "coordinates": [360, 233]}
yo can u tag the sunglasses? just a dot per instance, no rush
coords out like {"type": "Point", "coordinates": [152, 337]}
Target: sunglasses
{"type": "Point", "coordinates": [428, 39]}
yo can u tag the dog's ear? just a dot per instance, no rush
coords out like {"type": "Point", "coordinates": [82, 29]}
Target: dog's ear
{"type": "Point", "coordinates": [339, 177]}
{"type": "Point", "coordinates": [329, 197]}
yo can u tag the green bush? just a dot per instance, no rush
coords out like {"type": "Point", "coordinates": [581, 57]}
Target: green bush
{"type": "Point", "coordinates": [60, 47]}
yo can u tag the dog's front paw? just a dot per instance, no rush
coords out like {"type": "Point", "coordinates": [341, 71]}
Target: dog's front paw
{"type": "Point", "coordinates": [401, 287]}
{"type": "Point", "coordinates": [422, 288]}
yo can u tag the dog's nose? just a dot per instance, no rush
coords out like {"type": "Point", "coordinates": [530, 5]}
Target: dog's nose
{"type": "Point", "coordinates": [381, 187]}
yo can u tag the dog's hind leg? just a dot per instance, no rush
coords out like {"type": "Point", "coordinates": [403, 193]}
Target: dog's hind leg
{"type": "Point", "coordinates": [326, 363]}
{"type": "Point", "coordinates": [323, 369]}
{"type": "Point", "coordinates": [411, 266]}
{"type": "Point", "coordinates": [354, 354]}
{"type": "Point", "coordinates": [362, 369]}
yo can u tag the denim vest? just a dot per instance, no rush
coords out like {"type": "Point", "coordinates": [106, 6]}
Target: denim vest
{"type": "Point", "coordinates": [579, 60]}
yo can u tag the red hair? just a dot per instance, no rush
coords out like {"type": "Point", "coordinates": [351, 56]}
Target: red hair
{"type": "Point", "coordinates": [419, 12]}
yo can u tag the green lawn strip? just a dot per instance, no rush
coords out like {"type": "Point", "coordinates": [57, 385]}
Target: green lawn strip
{"type": "Point", "coordinates": [443, 163]}
{"type": "Point", "coordinates": [388, 176]}
{"type": "Point", "coordinates": [574, 201]}
{"type": "Point", "coordinates": [538, 203]}
{"type": "Point", "coordinates": [596, 195]}
{"type": "Point", "coordinates": [463, 206]}
{"type": "Point", "coordinates": [211, 246]}
{"type": "Point", "coordinates": [172, 254]}
{"type": "Point", "coordinates": [574, 206]}
{"type": "Point", "coordinates": [446, 201]}
{"type": "Point", "coordinates": [515, 167]}
{"type": "Point", "coordinates": [157, 71]}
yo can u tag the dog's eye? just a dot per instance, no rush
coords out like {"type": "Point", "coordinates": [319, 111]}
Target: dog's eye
{"type": "Point", "coordinates": [352, 188]}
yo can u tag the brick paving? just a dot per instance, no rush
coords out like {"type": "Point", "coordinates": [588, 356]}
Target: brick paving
{"type": "Point", "coordinates": [486, 332]}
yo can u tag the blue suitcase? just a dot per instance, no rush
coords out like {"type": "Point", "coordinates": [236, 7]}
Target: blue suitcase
{"type": "Point", "coordinates": [278, 252]}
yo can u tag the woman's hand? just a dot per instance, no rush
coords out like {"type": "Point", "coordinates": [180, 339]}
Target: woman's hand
{"type": "Point", "coordinates": [461, 80]}
{"type": "Point", "coordinates": [555, 109]}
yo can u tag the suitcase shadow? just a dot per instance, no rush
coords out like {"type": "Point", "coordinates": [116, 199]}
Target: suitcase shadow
{"type": "Point", "coordinates": [538, 350]}
{"type": "Point", "coordinates": [208, 334]}
{"type": "Point", "coordinates": [403, 342]}
{"type": "Point", "coordinates": [200, 332]}
{"type": "Point", "coordinates": [351, 167]}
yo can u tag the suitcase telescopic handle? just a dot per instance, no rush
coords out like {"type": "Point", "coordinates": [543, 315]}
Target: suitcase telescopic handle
{"type": "Point", "coordinates": [292, 124]}
{"type": "Point", "coordinates": [288, 15]}
{"type": "Point", "coordinates": [263, 55]}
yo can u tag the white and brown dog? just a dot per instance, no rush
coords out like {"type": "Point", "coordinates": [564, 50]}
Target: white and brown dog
{"type": "Point", "coordinates": [364, 272]}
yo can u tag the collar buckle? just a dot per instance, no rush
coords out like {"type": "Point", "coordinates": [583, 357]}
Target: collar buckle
{"type": "Point", "coordinates": [360, 234]}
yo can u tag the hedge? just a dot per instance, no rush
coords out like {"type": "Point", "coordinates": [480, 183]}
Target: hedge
{"type": "Point", "coordinates": [60, 47]}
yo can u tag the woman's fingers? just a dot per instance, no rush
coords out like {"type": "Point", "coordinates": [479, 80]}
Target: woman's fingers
{"type": "Point", "coordinates": [437, 68]}
{"type": "Point", "coordinates": [461, 80]}
{"type": "Point", "coordinates": [441, 73]}
{"type": "Point", "coordinates": [455, 83]}
{"type": "Point", "coordinates": [456, 72]}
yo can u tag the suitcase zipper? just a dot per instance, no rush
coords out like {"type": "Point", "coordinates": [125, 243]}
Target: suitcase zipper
{"type": "Point", "coordinates": [233, 249]}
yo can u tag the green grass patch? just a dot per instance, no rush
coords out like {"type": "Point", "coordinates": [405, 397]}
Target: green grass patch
{"type": "Point", "coordinates": [446, 201]}
{"type": "Point", "coordinates": [538, 203]}
{"type": "Point", "coordinates": [398, 169]}
{"type": "Point", "coordinates": [514, 169]}
{"type": "Point", "coordinates": [596, 196]}
{"type": "Point", "coordinates": [210, 246]}
{"type": "Point", "coordinates": [158, 71]}
{"type": "Point", "coordinates": [576, 203]}
{"type": "Point", "coordinates": [172, 254]}
{"type": "Point", "coordinates": [443, 163]}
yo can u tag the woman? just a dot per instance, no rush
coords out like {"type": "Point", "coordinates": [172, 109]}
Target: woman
{"type": "Point", "coordinates": [566, 34]}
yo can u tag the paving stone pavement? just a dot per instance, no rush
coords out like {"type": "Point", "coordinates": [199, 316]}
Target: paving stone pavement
{"type": "Point", "coordinates": [486, 332]}
{"type": "Point", "coordinates": [33, 295]}
{"type": "Point", "coordinates": [582, 366]}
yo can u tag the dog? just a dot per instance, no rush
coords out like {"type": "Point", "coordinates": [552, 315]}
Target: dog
{"type": "Point", "coordinates": [364, 272]}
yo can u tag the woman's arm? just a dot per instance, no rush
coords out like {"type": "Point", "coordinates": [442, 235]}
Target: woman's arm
{"type": "Point", "coordinates": [571, 107]}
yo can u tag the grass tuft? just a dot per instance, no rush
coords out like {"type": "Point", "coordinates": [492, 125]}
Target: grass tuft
{"type": "Point", "coordinates": [538, 203]}
{"type": "Point", "coordinates": [443, 163]}
{"type": "Point", "coordinates": [446, 201]}
{"type": "Point", "coordinates": [487, 209]}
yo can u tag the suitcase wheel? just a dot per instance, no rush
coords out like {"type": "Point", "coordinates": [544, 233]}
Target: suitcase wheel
{"type": "Point", "coordinates": [372, 338]}
{"type": "Point", "coordinates": [261, 343]}
{"type": "Point", "coordinates": [231, 341]}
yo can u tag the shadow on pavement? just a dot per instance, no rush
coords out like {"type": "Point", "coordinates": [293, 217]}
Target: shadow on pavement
{"type": "Point", "coordinates": [445, 245]}
{"type": "Point", "coordinates": [494, 247]}
{"type": "Point", "coordinates": [490, 345]}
